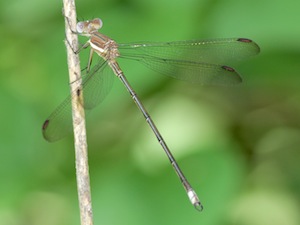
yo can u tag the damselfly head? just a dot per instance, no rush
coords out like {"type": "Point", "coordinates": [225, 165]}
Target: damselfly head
{"type": "Point", "coordinates": [89, 26]}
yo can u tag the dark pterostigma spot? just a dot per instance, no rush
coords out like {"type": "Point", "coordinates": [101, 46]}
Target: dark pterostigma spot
{"type": "Point", "coordinates": [78, 92]}
{"type": "Point", "coordinates": [45, 124]}
{"type": "Point", "coordinates": [230, 69]}
{"type": "Point", "coordinates": [246, 40]}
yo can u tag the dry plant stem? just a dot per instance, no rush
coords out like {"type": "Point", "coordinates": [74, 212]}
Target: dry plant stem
{"type": "Point", "coordinates": [81, 154]}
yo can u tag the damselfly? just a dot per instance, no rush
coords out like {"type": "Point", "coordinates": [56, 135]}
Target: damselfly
{"type": "Point", "coordinates": [202, 62]}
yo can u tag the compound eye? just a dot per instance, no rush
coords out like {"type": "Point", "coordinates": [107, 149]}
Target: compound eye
{"type": "Point", "coordinates": [79, 27]}
{"type": "Point", "coordinates": [97, 23]}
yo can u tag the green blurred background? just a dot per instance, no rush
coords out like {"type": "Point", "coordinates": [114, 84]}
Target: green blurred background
{"type": "Point", "coordinates": [238, 146]}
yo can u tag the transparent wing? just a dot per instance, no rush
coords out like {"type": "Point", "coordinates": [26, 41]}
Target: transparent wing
{"type": "Point", "coordinates": [201, 61]}
{"type": "Point", "coordinates": [96, 85]}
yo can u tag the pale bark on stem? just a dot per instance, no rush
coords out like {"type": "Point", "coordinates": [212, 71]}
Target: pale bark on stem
{"type": "Point", "coordinates": [81, 154]}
